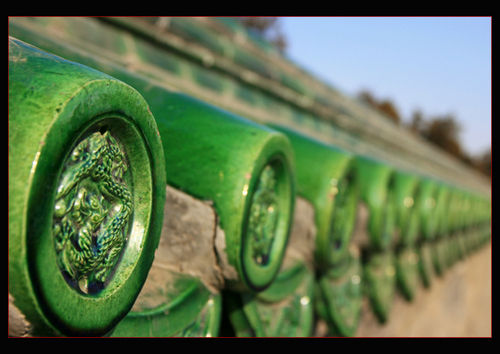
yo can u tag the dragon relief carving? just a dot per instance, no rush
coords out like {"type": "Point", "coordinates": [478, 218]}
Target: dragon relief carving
{"type": "Point", "coordinates": [263, 218]}
{"type": "Point", "coordinates": [92, 210]}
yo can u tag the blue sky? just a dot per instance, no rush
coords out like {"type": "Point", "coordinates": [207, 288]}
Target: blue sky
{"type": "Point", "coordinates": [439, 65]}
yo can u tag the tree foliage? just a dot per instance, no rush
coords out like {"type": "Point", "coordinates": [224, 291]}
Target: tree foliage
{"type": "Point", "coordinates": [483, 162]}
{"type": "Point", "coordinates": [386, 107]}
{"type": "Point", "coordinates": [443, 131]}
{"type": "Point", "coordinates": [268, 28]}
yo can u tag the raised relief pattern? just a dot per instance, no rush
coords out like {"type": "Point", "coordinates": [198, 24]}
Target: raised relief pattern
{"type": "Point", "coordinates": [92, 211]}
{"type": "Point", "coordinates": [263, 216]}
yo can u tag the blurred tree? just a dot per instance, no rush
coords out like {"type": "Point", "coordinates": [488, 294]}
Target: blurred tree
{"type": "Point", "coordinates": [483, 162]}
{"type": "Point", "coordinates": [416, 124]}
{"type": "Point", "coordinates": [385, 107]}
{"type": "Point", "coordinates": [388, 109]}
{"type": "Point", "coordinates": [368, 98]}
{"type": "Point", "coordinates": [444, 132]}
{"type": "Point", "coordinates": [268, 28]}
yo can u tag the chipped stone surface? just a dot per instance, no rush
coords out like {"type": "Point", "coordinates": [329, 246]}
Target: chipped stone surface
{"type": "Point", "coordinates": [228, 271]}
{"type": "Point", "coordinates": [302, 238]}
{"type": "Point", "coordinates": [18, 325]}
{"type": "Point", "coordinates": [187, 242]}
{"type": "Point", "coordinates": [360, 236]}
{"type": "Point", "coordinates": [185, 248]}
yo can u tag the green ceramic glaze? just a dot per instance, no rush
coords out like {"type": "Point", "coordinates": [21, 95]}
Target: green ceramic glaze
{"type": "Point", "coordinates": [86, 193]}
{"type": "Point", "coordinates": [326, 177]}
{"type": "Point", "coordinates": [457, 253]}
{"type": "Point", "coordinates": [407, 271]}
{"type": "Point", "coordinates": [427, 208]}
{"type": "Point", "coordinates": [442, 210]}
{"type": "Point", "coordinates": [467, 215]}
{"type": "Point", "coordinates": [477, 210]}
{"type": "Point", "coordinates": [407, 199]}
{"type": "Point", "coordinates": [463, 214]}
{"type": "Point", "coordinates": [461, 244]}
{"type": "Point", "coordinates": [486, 234]}
{"type": "Point", "coordinates": [480, 237]}
{"type": "Point", "coordinates": [456, 203]}
{"type": "Point", "coordinates": [474, 210]}
{"type": "Point", "coordinates": [438, 249]}
{"type": "Point", "coordinates": [92, 200]}
{"type": "Point", "coordinates": [339, 297]}
{"type": "Point", "coordinates": [263, 218]}
{"type": "Point", "coordinates": [468, 241]}
{"type": "Point", "coordinates": [485, 211]}
{"type": "Point", "coordinates": [244, 168]}
{"type": "Point", "coordinates": [285, 283]}
{"type": "Point", "coordinates": [379, 277]}
{"type": "Point", "coordinates": [425, 265]}
{"type": "Point", "coordinates": [191, 31]}
{"type": "Point", "coordinates": [187, 309]}
{"type": "Point", "coordinates": [455, 248]}
{"type": "Point", "coordinates": [440, 245]}
{"type": "Point", "coordinates": [461, 210]}
{"type": "Point", "coordinates": [377, 191]}
{"type": "Point", "coordinates": [406, 189]}
{"type": "Point", "coordinates": [235, 323]}
{"type": "Point", "coordinates": [471, 211]}
{"type": "Point", "coordinates": [274, 312]}
{"type": "Point", "coordinates": [207, 322]}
